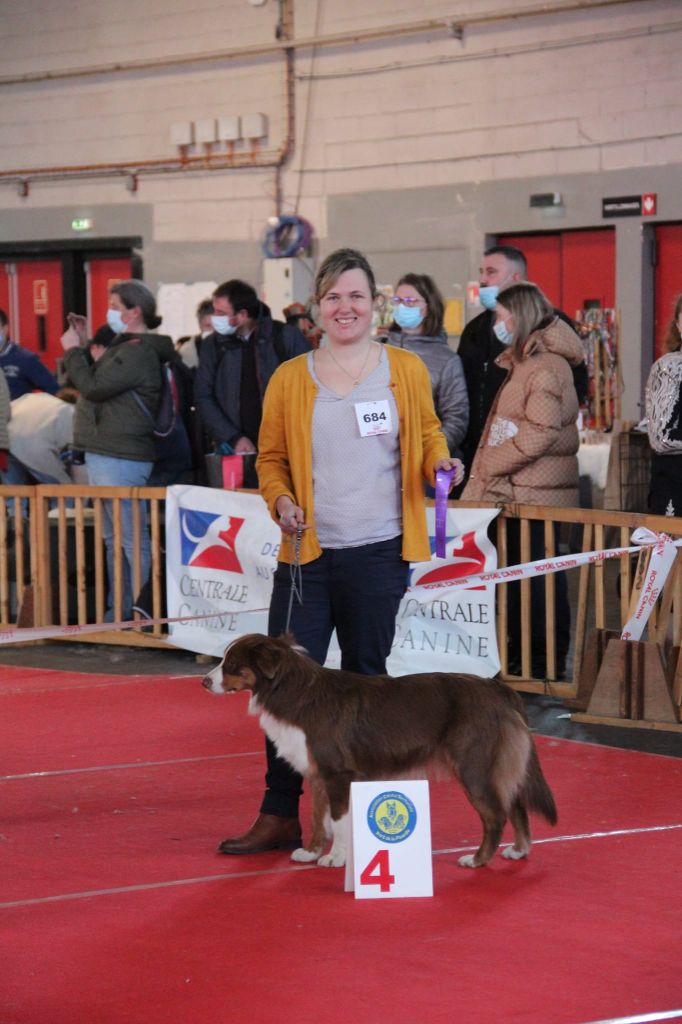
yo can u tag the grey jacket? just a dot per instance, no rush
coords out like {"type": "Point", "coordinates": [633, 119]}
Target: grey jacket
{"type": "Point", "coordinates": [447, 382]}
{"type": "Point", "coordinates": [109, 420]}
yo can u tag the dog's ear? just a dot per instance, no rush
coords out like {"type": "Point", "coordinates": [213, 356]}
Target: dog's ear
{"type": "Point", "coordinates": [264, 657]}
{"type": "Point", "coordinates": [267, 656]}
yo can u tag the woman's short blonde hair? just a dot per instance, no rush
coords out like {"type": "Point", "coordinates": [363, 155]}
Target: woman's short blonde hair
{"type": "Point", "coordinates": [337, 263]}
{"type": "Point", "coordinates": [531, 310]}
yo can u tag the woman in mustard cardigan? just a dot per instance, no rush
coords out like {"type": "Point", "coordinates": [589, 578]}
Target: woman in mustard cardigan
{"type": "Point", "coordinates": [348, 435]}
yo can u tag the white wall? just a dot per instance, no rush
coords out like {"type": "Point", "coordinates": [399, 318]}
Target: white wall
{"type": "Point", "coordinates": [568, 93]}
{"type": "Point", "coordinates": [454, 134]}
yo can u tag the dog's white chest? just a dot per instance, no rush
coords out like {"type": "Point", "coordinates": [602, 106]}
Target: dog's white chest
{"type": "Point", "coordinates": [289, 740]}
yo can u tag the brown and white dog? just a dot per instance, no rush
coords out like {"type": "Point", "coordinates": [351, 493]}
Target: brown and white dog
{"type": "Point", "coordinates": [337, 727]}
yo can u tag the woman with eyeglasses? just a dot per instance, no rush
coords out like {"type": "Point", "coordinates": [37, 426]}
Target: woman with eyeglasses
{"type": "Point", "coordinates": [418, 312]}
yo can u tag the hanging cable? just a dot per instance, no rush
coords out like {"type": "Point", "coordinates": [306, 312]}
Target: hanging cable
{"type": "Point", "coordinates": [287, 236]}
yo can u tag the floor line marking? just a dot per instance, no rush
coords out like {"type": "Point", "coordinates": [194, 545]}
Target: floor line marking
{"type": "Point", "coordinates": [641, 1018]}
{"type": "Point", "coordinates": [291, 867]}
{"type": "Point", "coordinates": [582, 835]}
{"type": "Point", "coordinates": [14, 689]}
{"type": "Point", "coordinates": [148, 886]}
{"type": "Point", "coordinates": [133, 764]}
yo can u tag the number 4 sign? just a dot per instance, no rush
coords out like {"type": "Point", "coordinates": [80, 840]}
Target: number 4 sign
{"type": "Point", "coordinates": [389, 853]}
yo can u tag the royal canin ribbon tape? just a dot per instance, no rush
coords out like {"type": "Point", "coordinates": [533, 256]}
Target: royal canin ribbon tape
{"type": "Point", "coordinates": [662, 558]}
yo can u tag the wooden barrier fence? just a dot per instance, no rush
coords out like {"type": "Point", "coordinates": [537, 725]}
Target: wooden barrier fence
{"type": "Point", "coordinates": [53, 571]}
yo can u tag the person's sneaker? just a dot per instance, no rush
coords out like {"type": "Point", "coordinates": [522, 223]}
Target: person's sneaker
{"type": "Point", "coordinates": [142, 613]}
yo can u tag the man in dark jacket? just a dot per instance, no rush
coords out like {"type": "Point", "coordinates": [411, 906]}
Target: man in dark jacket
{"type": "Point", "coordinates": [22, 368]}
{"type": "Point", "coordinates": [502, 265]}
{"type": "Point", "coordinates": [236, 363]}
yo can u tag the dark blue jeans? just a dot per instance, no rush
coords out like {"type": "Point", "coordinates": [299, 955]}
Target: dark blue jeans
{"type": "Point", "coordinates": [356, 591]}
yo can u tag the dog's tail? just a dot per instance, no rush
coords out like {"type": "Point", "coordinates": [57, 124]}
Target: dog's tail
{"type": "Point", "coordinates": [535, 794]}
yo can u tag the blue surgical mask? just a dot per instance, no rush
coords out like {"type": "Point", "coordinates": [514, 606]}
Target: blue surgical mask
{"type": "Point", "coordinates": [503, 335]}
{"type": "Point", "coordinates": [115, 321]}
{"type": "Point", "coordinates": [408, 317]}
{"type": "Point", "coordinates": [222, 325]}
{"type": "Point", "coordinates": [487, 295]}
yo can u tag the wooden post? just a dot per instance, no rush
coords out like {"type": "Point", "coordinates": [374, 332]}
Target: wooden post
{"type": "Point", "coordinates": [631, 687]}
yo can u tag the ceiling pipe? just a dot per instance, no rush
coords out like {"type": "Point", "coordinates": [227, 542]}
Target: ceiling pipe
{"type": "Point", "coordinates": [285, 43]}
{"type": "Point", "coordinates": [453, 26]}
{"type": "Point", "coordinates": [273, 158]}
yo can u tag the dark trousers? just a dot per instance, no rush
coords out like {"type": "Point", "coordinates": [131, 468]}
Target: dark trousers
{"type": "Point", "coordinates": [537, 605]}
{"type": "Point", "coordinates": [356, 591]}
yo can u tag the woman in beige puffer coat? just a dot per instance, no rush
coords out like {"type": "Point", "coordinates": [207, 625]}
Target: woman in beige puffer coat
{"type": "Point", "coordinates": [527, 455]}
{"type": "Point", "coordinates": [528, 451]}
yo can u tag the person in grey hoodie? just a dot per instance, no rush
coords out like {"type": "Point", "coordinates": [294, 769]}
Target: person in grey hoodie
{"type": "Point", "coordinates": [418, 312]}
{"type": "Point", "coordinates": [114, 423]}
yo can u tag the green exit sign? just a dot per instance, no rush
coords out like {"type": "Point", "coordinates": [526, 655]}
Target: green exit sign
{"type": "Point", "coordinates": [82, 224]}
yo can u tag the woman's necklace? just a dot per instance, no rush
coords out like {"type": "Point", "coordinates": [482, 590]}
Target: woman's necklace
{"type": "Point", "coordinates": [356, 380]}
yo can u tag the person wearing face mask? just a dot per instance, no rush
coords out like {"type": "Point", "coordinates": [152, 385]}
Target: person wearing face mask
{"type": "Point", "coordinates": [235, 364]}
{"type": "Point", "coordinates": [501, 266]}
{"type": "Point", "coordinates": [114, 422]}
{"type": "Point", "coordinates": [418, 311]}
{"type": "Point", "coordinates": [528, 450]}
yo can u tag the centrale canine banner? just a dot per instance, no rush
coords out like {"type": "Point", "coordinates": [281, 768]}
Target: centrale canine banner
{"type": "Point", "coordinates": [221, 553]}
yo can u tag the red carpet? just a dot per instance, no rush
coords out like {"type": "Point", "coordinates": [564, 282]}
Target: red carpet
{"type": "Point", "coordinates": [114, 906]}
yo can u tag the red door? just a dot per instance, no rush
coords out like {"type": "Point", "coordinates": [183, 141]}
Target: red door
{"type": "Point", "coordinates": [36, 312]}
{"type": "Point", "coordinates": [575, 269]}
{"type": "Point", "coordinates": [100, 275]}
{"type": "Point", "coordinates": [5, 288]}
{"type": "Point", "coordinates": [667, 280]}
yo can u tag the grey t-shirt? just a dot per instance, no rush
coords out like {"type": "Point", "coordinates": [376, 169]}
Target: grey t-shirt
{"type": "Point", "coordinates": [356, 479]}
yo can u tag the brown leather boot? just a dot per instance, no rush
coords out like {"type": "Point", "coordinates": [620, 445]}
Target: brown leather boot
{"type": "Point", "coordinates": [268, 832]}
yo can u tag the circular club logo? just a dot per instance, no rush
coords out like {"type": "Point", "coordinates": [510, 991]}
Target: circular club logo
{"type": "Point", "coordinates": [391, 817]}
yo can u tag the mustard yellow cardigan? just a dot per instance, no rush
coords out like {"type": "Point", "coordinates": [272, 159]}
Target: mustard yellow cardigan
{"type": "Point", "coordinates": [285, 449]}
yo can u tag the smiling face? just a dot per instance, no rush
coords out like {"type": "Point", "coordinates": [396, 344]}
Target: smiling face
{"type": "Point", "coordinates": [346, 308]}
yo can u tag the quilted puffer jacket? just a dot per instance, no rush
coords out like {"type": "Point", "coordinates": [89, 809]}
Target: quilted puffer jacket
{"type": "Point", "coordinates": [528, 449]}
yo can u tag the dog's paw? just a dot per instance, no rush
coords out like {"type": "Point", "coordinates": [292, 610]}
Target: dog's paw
{"type": "Point", "coordinates": [469, 861]}
{"type": "Point", "coordinates": [304, 856]}
{"type": "Point", "coordinates": [332, 860]}
{"type": "Point", "coordinates": [511, 854]}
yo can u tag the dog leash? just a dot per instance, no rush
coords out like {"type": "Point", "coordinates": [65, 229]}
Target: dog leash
{"type": "Point", "coordinates": [296, 576]}
{"type": "Point", "coordinates": [443, 478]}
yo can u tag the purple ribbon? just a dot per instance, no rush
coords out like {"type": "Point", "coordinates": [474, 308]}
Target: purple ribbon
{"type": "Point", "coordinates": [443, 478]}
